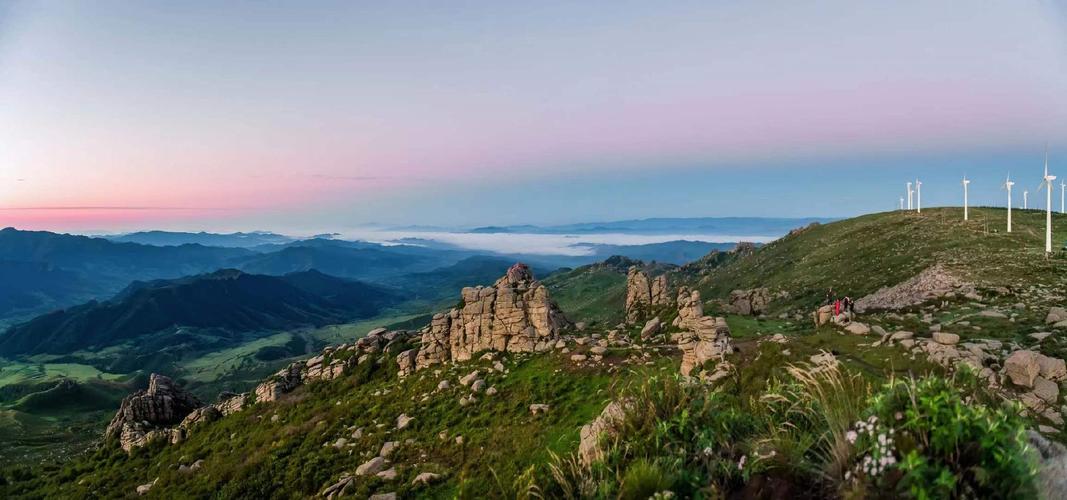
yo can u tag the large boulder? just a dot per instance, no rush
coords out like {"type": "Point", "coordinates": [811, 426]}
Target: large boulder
{"type": "Point", "coordinates": [749, 302]}
{"type": "Point", "coordinates": [514, 315]}
{"type": "Point", "coordinates": [603, 427]}
{"type": "Point", "coordinates": [148, 414]}
{"type": "Point", "coordinates": [1022, 367]}
{"type": "Point", "coordinates": [1056, 315]}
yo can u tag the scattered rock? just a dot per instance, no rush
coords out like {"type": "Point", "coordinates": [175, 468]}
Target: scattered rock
{"type": "Point", "coordinates": [857, 328]}
{"type": "Point", "coordinates": [538, 408]}
{"type": "Point", "coordinates": [1022, 367]}
{"type": "Point", "coordinates": [651, 328]}
{"type": "Point", "coordinates": [469, 378]}
{"type": "Point", "coordinates": [145, 488]}
{"type": "Point", "coordinates": [425, 478]}
{"type": "Point", "coordinates": [403, 421]}
{"type": "Point", "coordinates": [1056, 315]}
{"type": "Point", "coordinates": [946, 338]}
{"type": "Point", "coordinates": [1046, 390]}
{"type": "Point", "coordinates": [387, 474]}
{"type": "Point", "coordinates": [372, 466]}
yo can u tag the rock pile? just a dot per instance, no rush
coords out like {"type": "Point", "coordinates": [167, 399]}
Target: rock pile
{"type": "Point", "coordinates": [147, 415]}
{"type": "Point", "coordinates": [704, 338]}
{"type": "Point", "coordinates": [331, 363]}
{"type": "Point", "coordinates": [934, 282]}
{"type": "Point", "coordinates": [749, 302]}
{"type": "Point", "coordinates": [514, 315]}
{"type": "Point", "coordinates": [644, 295]}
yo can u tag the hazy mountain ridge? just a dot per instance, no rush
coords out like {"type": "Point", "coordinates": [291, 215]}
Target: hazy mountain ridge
{"type": "Point", "coordinates": [227, 299]}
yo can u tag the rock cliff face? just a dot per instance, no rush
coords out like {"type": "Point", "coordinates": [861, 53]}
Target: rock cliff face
{"type": "Point", "coordinates": [514, 315]}
{"type": "Point", "coordinates": [146, 415]}
{"type": "Point", "coordinates": [705, 338]}
{"type": "Point", "coordinates": [644, 294]}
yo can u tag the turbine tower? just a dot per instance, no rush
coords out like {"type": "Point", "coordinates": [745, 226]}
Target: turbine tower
{"type": "Point", "coordinates": [965, 212]}
{"type": "Point", "coordinates": [918, 196]}
{"type": "Point", "coordinates": [902, 203]}
{"type": "Point", "coordinates": [1007, 186]}
{"type": "Point", "coordinates": [909, 196]}
{"type": "Point", "coordinates": [1026, 198]}
{"type": "Point", "coordinates": [1063, 190]}
{"type": "Point", "coordinates": [1047, 186]}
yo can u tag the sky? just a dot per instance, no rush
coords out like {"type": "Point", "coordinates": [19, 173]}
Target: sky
{"type": "Point", "coordinates": [308, 117]}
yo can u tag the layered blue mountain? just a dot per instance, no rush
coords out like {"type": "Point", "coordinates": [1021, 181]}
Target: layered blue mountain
{"type": "Point", "coordinates": [229, 300]}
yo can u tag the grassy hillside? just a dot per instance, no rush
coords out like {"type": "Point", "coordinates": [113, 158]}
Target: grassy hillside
{"type": "Point", "coordinates": [858, 256]}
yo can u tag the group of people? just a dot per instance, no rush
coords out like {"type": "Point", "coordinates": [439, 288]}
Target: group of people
{"type": "Point", "coordinates": [843, 305]}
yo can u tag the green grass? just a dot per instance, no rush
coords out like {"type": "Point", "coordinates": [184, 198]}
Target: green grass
{"type": "Point", "coordinates": [594, 294]}
{"type": "Point", "coordinates": [860, 255]}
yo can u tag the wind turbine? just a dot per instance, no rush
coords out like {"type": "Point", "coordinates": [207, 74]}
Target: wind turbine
{"type": "Point", "coordinates": [902, 203]}
{"type": "Point", "coordinates": [1007, 185]}
{"type": "Point", "coordinates": [919, 196]}
{"type": "Point", "coordinates": [909, 196]}
{"type": "Point", "coordinates": [1026, 197]}
{"type": "Point", "coordinates": [965, 183]}
{"type": "Point", "coordinates": [1047, 186]}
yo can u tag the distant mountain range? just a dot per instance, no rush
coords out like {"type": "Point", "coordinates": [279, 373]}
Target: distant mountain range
{"type": "Point", "coordinates": [230, 240]}
{"type": "Point", "coordinates": [737, 226]}
{"type": "Point", "coordinates": [228, 299]}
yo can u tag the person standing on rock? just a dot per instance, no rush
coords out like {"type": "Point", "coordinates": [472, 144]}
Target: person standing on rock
{"type": "Point", "coordinates": [829, 296]}
{"type": "Point", "coordinates": [837, 308]}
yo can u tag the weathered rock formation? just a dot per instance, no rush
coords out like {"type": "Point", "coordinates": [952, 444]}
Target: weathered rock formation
{"type": "Point", "coordinates": [514, 315]}
{"type": "Point", "coordinates": [644, 295]}
{"type": "Point", "coordinates": [934, 282]}
{"type": "Point", "coordinates": [147, 415]}
{"type": "Point", "coordinates": [705, 338]}
{"type": "Point", "coordinates": [749, 302]}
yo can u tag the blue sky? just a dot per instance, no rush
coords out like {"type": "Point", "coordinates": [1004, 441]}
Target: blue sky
{"type": "Point", "coordinates": [121, 115]}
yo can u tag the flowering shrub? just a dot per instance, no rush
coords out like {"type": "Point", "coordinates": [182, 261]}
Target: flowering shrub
{"type": "Point", "coordinates": [923, 438]}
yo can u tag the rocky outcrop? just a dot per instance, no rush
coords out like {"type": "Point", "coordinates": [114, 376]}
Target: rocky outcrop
{"type": "Point", "coordinates": [331, 363]}
{"type": "Point", "coordinates": [704, 338]}
{"type": "Point", "coordinates": [644, 295]}
{"type": "Point", "coordinates": [514, 315]}
{"type": "Point", "coordinates": [1052, 466]}
{"type": "Point", "coordinates": [749, 302]}
{"type": "Point", "coordinates": [934, 282]}
{"type": "Point", "coordinates": [147, 415]}
{"type": "Point", "coordinates": [603, 427]}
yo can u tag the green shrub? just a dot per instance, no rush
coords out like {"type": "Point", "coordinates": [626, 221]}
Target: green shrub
{"type": "Point", "coordinates": [642, 480]}
{"type": "Point", "coordinates": [927, 439]}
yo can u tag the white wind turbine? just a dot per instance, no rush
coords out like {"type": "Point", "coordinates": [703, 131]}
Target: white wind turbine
{"type": "Point", "coordinates": [1026, 197]}
{"type": "Point", "coordinates": [1007, 186]}
{"type": "Point", "coordinates": [1047, 186]}
{"type": "Point", "coordinates": [965, 183]}
{"type": "Point", "coordinates": [1063, 190]}
{"type": "Point", "coordinates": [909, 196]}
{"type": "Point", "coordinates": [902, 203]}
{"type": "Point", "coordinates": [919, 196]}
